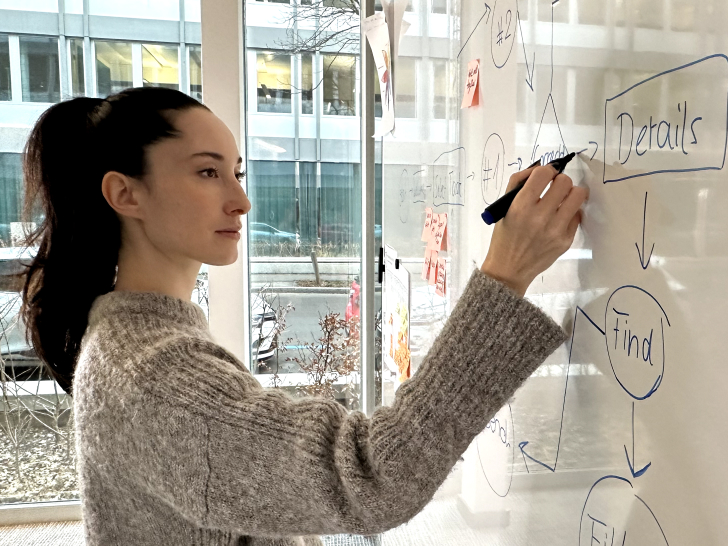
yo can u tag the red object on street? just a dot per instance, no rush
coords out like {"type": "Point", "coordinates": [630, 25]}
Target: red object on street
{"type": "Point", "coordinates": [352, 308]}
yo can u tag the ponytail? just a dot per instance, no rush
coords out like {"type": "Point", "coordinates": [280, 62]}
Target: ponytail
{"type": "Point", "coordinates": [71, 147]}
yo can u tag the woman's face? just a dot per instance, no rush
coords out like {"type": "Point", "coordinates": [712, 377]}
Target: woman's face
{"type": "Point", "coordinates": [195, 199]}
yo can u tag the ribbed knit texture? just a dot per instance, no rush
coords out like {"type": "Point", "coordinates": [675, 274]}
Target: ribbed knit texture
{"type": "Point", "coordinates": [178, 444]}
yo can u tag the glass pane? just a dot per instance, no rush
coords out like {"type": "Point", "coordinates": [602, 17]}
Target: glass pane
{"type": "Point", "coordinates": [113, 67]}
{"type": "Point", "coordinates": [439, 104]}
{"type": "Point", "coordinates": [560, 11]}
{"type": "Point", "coordinates": [11, 195]}
{"type": "Point", "coordinates": [196, 72]}
{"type": "Point", "coordinates": [439, 6]}
{"type": "Point", "coordinates": [307, 84]}
{"type": "Point", "coordinates": [39, 69]}
{"type": "Point", "coordinates": [160, 66]}
{"type": "Point", "coordinates": [405, 83]}
{"type": "Point", "coordinates": [77, 74]}
{"type": "Point", "coordinates": [274, 82]}
{"type": "Point", "coordinates": [339, 85]}
{"type": "Point", "coordinates": [5, 89]}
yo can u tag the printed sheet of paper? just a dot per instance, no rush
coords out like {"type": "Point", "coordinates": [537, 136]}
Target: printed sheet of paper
{"type": "Point", "coordinates": [394, 14]}
{"type": "Point", "coordinates": [441, 286]}
{"type": "Point", "coordinates": [470, 98]}
{"type": "Point", "coordinates": [396, 322]}
{"type": "Point", "coordinates": [377, 33]}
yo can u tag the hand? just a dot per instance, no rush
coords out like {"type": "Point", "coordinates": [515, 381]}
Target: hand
{"type": "Point", "coordinates": [536, 231]}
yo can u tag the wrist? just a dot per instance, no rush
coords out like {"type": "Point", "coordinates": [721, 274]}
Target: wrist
{"type": "Point", "coordinates": [515, 284]}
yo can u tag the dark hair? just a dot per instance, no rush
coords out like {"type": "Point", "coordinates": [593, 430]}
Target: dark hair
{"type": "Point", "coordinates": [71, 147]}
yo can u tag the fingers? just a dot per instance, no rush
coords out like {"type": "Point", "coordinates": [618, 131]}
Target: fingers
{"type": "Point", "coordinates": [537, 182]}
{"type": "Point", "coordinates": [570, 206]}
{"type": "Point", "coordinates": [518, 177]}
{"type": "Point", "coordinates": [560, 188]}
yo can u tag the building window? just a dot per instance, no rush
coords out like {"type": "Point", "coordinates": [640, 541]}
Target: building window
{"type": "Point", "coordinates": [339, 85]}
{"type": "Point", "coordinates": [195, 72]}
{"type": "Point", "coordinates": [5, 90]}
{"type": "Point", "coordinates": [274, 82]}
{"type": "Point", "coordinates": [113, 67]}
{"type": "Point", "coordinates": [341, 207]}
{"type": "Point", "coordinates": [439, 6]}
{"type": "Point", "coordinates": [78, 86]}
{"type": "Point", "coordinates": [439, 104]}
{"type": "Point", "coordinates": [404, 88]}
{"type": "Point", "coordinates": [272, 221]}
{"type": "Point", "coordinates": [39, 69]}
{"type": "Point", "coordinates": [307, 84]}
{"type": "Point", "coordinates": [160, 66]}
{"type": "Point", "coordinates": [11, 195]}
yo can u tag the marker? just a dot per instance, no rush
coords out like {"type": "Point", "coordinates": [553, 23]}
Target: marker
{"type": "Point", "coordinates": [497, 209]}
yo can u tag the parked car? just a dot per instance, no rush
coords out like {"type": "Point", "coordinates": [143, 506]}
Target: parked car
{"type": "Point", "coordinates": [263, 329]}
{"type": "Point", "coordinates": [264, 233]}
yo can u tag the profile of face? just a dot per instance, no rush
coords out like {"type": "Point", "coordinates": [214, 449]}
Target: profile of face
{"type": "Point", "coordinates": [189, 205]}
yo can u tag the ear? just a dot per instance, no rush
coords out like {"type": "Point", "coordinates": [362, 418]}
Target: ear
{"type": "Point", "coordinates": [122, 194]}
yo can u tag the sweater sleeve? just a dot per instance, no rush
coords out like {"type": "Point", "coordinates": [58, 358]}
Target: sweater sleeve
{"type": "Point", "coordinates": [261, 463]}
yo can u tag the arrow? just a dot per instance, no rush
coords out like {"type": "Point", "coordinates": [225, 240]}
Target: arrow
{"type": "Point", "coordinates": [529, 73]}
{"type": "Point", "coordinates": [642, 253]}
{"type": "Point", "coordinates": [635, 473]}
{"type": "Point", "coordinates": [487, 12]}
{"type": "Point", "coordinates": [522, 445]}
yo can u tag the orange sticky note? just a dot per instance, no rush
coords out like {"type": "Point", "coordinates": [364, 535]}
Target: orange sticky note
{"type": "Point", "coordinates": [426, 229]}
{"type": "Point", "coordinates": [470, 98]}
{"type": "Point", "coordinates": [431, 243]}
{"type": "Point", "coordinates": [426, 265]}
{"type": "Point", "coordinates": [441, 286]}
{"type": "Point", "coordinates": [439, 236]}
{"type": "Point", "coordinates": [432, 276]}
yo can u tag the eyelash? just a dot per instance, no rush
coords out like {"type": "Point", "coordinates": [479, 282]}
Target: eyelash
{"type": "Point", "coordinates": [239, 175]}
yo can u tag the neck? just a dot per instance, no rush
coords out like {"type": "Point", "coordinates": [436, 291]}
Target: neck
{"type": "Point", "coordinates": [151, 271]}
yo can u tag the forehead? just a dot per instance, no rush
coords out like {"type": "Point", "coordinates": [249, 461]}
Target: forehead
{"type": "Point", "coordinates": [201, 130]}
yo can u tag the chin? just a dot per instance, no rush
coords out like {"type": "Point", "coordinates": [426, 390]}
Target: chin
{"type": "Point", "coordinates": [225, 259]}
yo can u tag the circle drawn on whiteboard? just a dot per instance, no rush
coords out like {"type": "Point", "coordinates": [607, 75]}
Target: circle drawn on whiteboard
{"type": "Point", "coordinates": [613, 511]}
{"type": "Point", "coordinates": [492, 168]}
{"type": "Point", "coordinates": [635, 325]}
{"type": "Point", "coordinates": [503, 31]}
{"type": "Point", "coordinates": [496, 448]}
{"type": "Point", "coordinates": [404, 190]}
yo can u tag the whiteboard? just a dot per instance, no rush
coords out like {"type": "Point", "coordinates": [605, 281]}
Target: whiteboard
{"type": "Point", "coordinates": [618, 438]}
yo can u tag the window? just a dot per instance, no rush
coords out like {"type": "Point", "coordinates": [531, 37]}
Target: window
{"type": "Point", "coordinates": [307, 84]}
{"type": "Point", "coordinates": [195, 65]}
{"type": "Point", "coordinates": [39, 69]}
{"type": "Point", "coordinates": [11, 195]}
{"type": "Point", "coordinates": [339, 85]}
{"type": "Point", "coordinates": [405, 84]}
{"type": "Point", "coordinates": [439, 6]}
{"type": "Point", "coordinates": [113, 67]}
{"type": "Point", "coordinates": [160, 66]}
{"type": "Point", "coordinates": [272, 187]}
{"type": "Point", "coordinates": [5, 93]}
{"type": "Point", "coordinates": [341, 207]}
{"type": "Point", "coordinates": [274, 82]}
{"type": "Point", "coordinates": [78, 86]}
{"type": "Point", "coordinates": [439, 103]}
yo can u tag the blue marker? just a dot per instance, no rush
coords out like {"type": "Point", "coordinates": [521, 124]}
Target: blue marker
{"type": "Point", "coordinates": [498, 209]}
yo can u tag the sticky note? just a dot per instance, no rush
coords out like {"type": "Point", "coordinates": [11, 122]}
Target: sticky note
{"type": "Point", "coordinates": [426, 229]}
{"type": "Point", "coordinates": [441, 285]}
{"type": "Point", "coordinates": [426, 265]}
{"type": "Point", "coordinates": [432, 276]}
{"type": "Point", "coordinates": [433, 230]}
{"type": "Point", "coordinates": [470, 98]}
{"type": "Point", "coordinates": [439, 236]}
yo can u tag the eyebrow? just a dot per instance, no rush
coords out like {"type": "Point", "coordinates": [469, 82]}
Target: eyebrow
{"type": "Point", "coordinates": [215, 155]}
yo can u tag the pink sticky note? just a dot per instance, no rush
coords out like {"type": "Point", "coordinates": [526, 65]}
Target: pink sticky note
{"type": "Point", "coordinates": [432, 276]}
{"type": "Point", "coordinates": [431, 244]}
{"type": "Point", "coordinates": [440, 239]}
{"type": "Point", "coordinates": [426, 265]}
{"type": "Point", "coordinates": [470, 98]}
{"type": "Point", "coordinates": [426, 229]}
{"type": "Point", "coordinates": [441, 286]}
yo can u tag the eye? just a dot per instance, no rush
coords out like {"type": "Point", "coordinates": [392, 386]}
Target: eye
{"type": "Point", "coordinates": [240, 176]}
{"type": "Point", "coordinates": [213, 170]}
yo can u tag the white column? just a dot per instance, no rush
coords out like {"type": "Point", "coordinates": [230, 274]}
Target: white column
{"type": "Point", "coordinates": [223, 69]}
{"type": "Point", "coordinates": [136, 65]}
{"type": "Point", "coordinates": [16, 88]}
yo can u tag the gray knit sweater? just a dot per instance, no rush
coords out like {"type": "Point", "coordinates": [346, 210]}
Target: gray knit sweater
{"type": "Point", "coordinates": [178, 444]}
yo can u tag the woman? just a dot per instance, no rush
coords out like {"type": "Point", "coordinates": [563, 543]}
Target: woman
{"type": "Point", "coordinates": [177, 443]}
